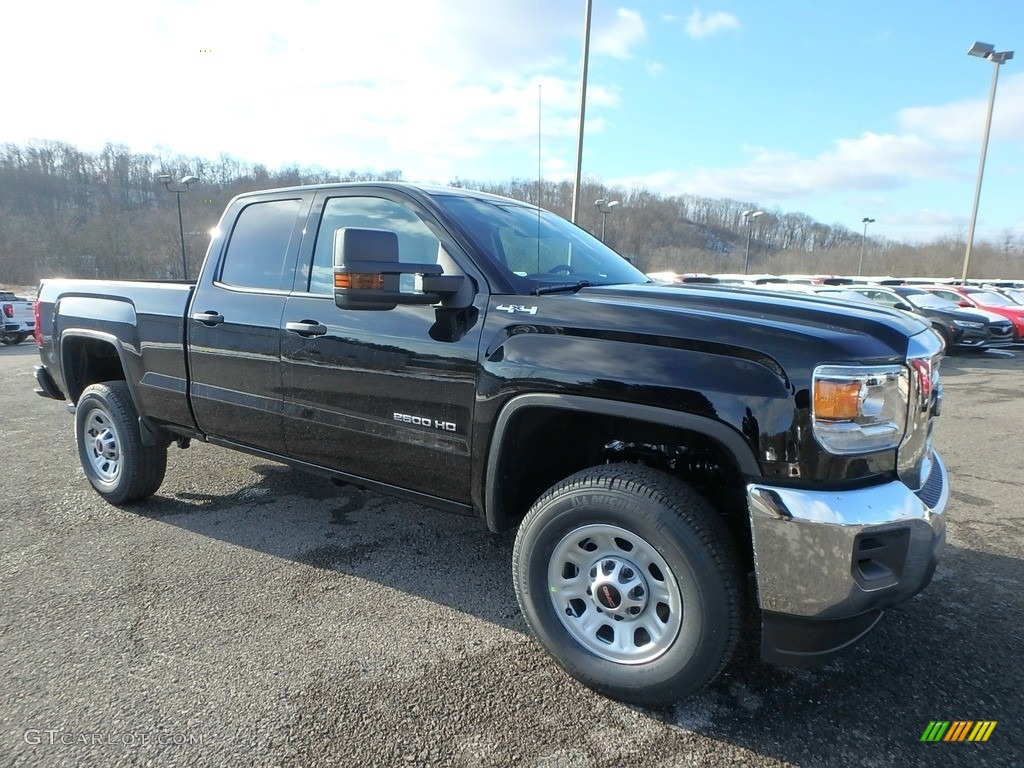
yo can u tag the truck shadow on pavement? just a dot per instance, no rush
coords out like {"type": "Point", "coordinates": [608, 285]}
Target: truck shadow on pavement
{"type": "Point", "coordinates": [951, 653]}
{"type": "Point", "coordinates": [345, 529]}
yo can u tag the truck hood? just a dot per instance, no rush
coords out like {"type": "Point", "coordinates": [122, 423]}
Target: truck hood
{"type": "Point", "coordinates": [788, 327]}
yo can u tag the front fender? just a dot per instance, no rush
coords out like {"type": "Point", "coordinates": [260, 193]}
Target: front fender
{"type": "Point", "coordinates": [497, 516]}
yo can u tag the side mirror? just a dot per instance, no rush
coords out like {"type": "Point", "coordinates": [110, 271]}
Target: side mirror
{"type": "Point", "coordinates": [965, 303]}
{"type": "Point", "coordinates": [367, 273]}
{"type": "Point", "coordinates": [904, 306]}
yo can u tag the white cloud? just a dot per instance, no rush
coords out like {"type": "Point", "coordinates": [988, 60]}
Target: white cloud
{"type": "Point", "coordinates": [699, 25]}
{"type": "Point", "coordinates": [425, 86]}
{"type": "Point", "coordinates": [964, 121]}
{"type": "Point", "coordinates": [926, 220]}
{"type": "Point", "coordinates": [618, 37]}
{"type": "Point", "coordinates": [870, 162]}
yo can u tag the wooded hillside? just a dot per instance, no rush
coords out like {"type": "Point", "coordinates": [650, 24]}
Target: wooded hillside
{"type": "Point", "coordinates": [78, 214]}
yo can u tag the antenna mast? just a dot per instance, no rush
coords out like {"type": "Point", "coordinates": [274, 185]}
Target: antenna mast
{"type": "Point", "coordinates": [583, 112]}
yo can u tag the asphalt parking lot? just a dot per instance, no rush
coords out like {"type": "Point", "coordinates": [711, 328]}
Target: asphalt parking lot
{"type": "Point", "coordinates": [252, 615]}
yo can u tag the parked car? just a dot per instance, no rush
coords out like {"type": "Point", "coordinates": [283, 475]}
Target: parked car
{"type": "Point", "coordinates": [960, 328]}
{"type": "Point", "coordinates": [19, 318]}
{"type": "Point", "coordinates": [1016, 295]}
{"type": "Point", "coordinates": [834, 292]}
{"type": "Point", "coordinates": [967, 296]}
{"type": "Point", "coordinates": [999, 329]}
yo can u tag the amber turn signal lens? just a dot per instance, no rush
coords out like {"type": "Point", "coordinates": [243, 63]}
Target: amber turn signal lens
{"type": "Point", "coordinates": [373, 282]}
{"type": "Point", "coordinates": [838, 400]}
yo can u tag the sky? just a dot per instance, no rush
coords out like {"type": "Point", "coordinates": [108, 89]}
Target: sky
{"type": "Point", "coordinates": [839, 111]}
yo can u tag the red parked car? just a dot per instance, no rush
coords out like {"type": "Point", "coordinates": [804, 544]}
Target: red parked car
{"type": "Point", "coordinates": [968, 296]}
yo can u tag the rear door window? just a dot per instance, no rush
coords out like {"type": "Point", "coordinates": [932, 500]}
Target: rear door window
{"type": "Point", "coordinates": [260, 244]}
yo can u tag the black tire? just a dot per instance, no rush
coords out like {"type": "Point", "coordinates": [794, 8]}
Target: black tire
{"type": "Point", "coordinates": [646, 575]}
{"type": "Point", "coordinates": [21, 337]}
{"type": "Point", "coordinates": [9, 340]}
{"type": "Point", "coordinates": [110, 447]}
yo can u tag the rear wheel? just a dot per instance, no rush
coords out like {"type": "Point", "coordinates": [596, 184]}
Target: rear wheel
{"type": "Point", "coordinates": [21, 337]}
{"type": "Point", "coordinates": [629, 578]}
{"type": "Point", "coordinates": [119, 466]}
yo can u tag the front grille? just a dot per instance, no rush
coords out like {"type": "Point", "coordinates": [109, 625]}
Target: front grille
{"type": "Point", "coordinates": [1000, 332]}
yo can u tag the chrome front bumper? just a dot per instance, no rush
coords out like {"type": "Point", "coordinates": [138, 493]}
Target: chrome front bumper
{"type": "Point", "coordinates": [823, 555]}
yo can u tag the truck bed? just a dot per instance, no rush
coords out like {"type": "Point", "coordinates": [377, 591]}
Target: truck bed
{"type": "Point", "coordinates": [145, 319]}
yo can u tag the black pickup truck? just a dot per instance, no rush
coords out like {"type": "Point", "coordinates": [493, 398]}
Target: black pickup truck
{"type": "Point", "coordinates": [670, 455]}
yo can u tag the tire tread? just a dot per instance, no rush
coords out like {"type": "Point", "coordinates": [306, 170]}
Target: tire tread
{"type": "Point", "coordinates": [694, 512]}
{"type": "Point", "coordinates": [143, 466]}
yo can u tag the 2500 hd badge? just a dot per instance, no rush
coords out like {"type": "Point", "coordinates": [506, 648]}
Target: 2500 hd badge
{"type": "Point", "coordinates": [426, 421]}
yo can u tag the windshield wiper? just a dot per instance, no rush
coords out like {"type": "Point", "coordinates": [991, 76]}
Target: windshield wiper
{"type": "Point", "coordinates": [576, 287]}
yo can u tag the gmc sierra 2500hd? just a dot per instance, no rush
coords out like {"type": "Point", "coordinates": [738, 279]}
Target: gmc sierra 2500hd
{"type": "Point", "coordinates": [18, 318]}
{"type": "Point", "coordinates": [659, 448]}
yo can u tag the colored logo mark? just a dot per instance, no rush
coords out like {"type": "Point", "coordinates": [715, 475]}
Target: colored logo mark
{"type": "Point", "coordinates": [958, 730]}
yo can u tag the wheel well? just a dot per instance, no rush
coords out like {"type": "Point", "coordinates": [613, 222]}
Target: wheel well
{"type": "Point", "coordinates": [542, 446]}
{"type": "Point", "coordinates": [89, 361]}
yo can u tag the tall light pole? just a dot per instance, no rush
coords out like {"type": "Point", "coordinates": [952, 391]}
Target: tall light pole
{"type": "Point", "coordinates": [860, 265]}
{"type": "Point", "coordinates": [983, 51]}
{"type": "Point", "coordinates": [605, 207]}
{"type": "Point", "coordinates": [578, 179]}
{"type": "Point", "coordinates": [166, 181]}
{"type": "Point", "coordinates": [748, 217]}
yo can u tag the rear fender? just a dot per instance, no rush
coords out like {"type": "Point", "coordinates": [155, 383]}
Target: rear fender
{"type": "Point", "coordinates": [81, 367]}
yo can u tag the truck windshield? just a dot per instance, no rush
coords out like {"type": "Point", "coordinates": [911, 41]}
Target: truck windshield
{"type": "Point", "coordinates": [539, 250]}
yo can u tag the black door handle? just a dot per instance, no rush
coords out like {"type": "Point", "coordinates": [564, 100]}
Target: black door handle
{"type": "Point", "coordinates": [306, 328]}
{"type": "Point", "coordinates": [210, 317]}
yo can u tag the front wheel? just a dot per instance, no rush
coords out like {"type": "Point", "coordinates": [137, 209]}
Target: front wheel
{"type": "Point", "coordinates": [120, 467]}
{"type": "Point", "coordinates": [629, 578]}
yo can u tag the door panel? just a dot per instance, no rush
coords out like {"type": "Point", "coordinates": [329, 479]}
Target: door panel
{"type": "Point", "coordinates": [383, 395]}
{"type": "Point", "coordinates": [235, 321]}
{"type": "Point", "coordinates": [236, 369]}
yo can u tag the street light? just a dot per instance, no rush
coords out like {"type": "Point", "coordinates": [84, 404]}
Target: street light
{"type": "Point", "coordinates": [983, 51]}
{"type": "Point", "coordinates": [165, 179]}
{"type": "Point", "coordinates": [605, 207]}
{"type": "Point", "coordinates": [748, 217]}
{"type": "Point", "coordinates": [860, 265]}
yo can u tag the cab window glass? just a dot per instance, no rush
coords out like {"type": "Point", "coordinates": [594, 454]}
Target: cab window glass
{"type": "Point", "coordinates": [416, 243]}
{"type": "Point", "coordinates": [259, 245]}
{"type": "Point", "coordinates": [525, 254]}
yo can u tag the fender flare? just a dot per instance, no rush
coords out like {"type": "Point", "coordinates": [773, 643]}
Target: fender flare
{"type": "Point", "coordinates": [150, 433]}
{"type": "Point", "coordinates": [730, 440]}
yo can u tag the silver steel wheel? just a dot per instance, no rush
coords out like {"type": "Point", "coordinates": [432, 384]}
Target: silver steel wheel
{"type": "Point", "coordinates": [102, 446]}
{"type": "Point", "coordinates": [614, 594]}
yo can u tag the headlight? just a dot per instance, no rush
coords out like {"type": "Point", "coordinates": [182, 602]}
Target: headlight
{"type": "Point", "coordinates": [860, 409]}
{"type": "Point", "coordinates": [967, 324]}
